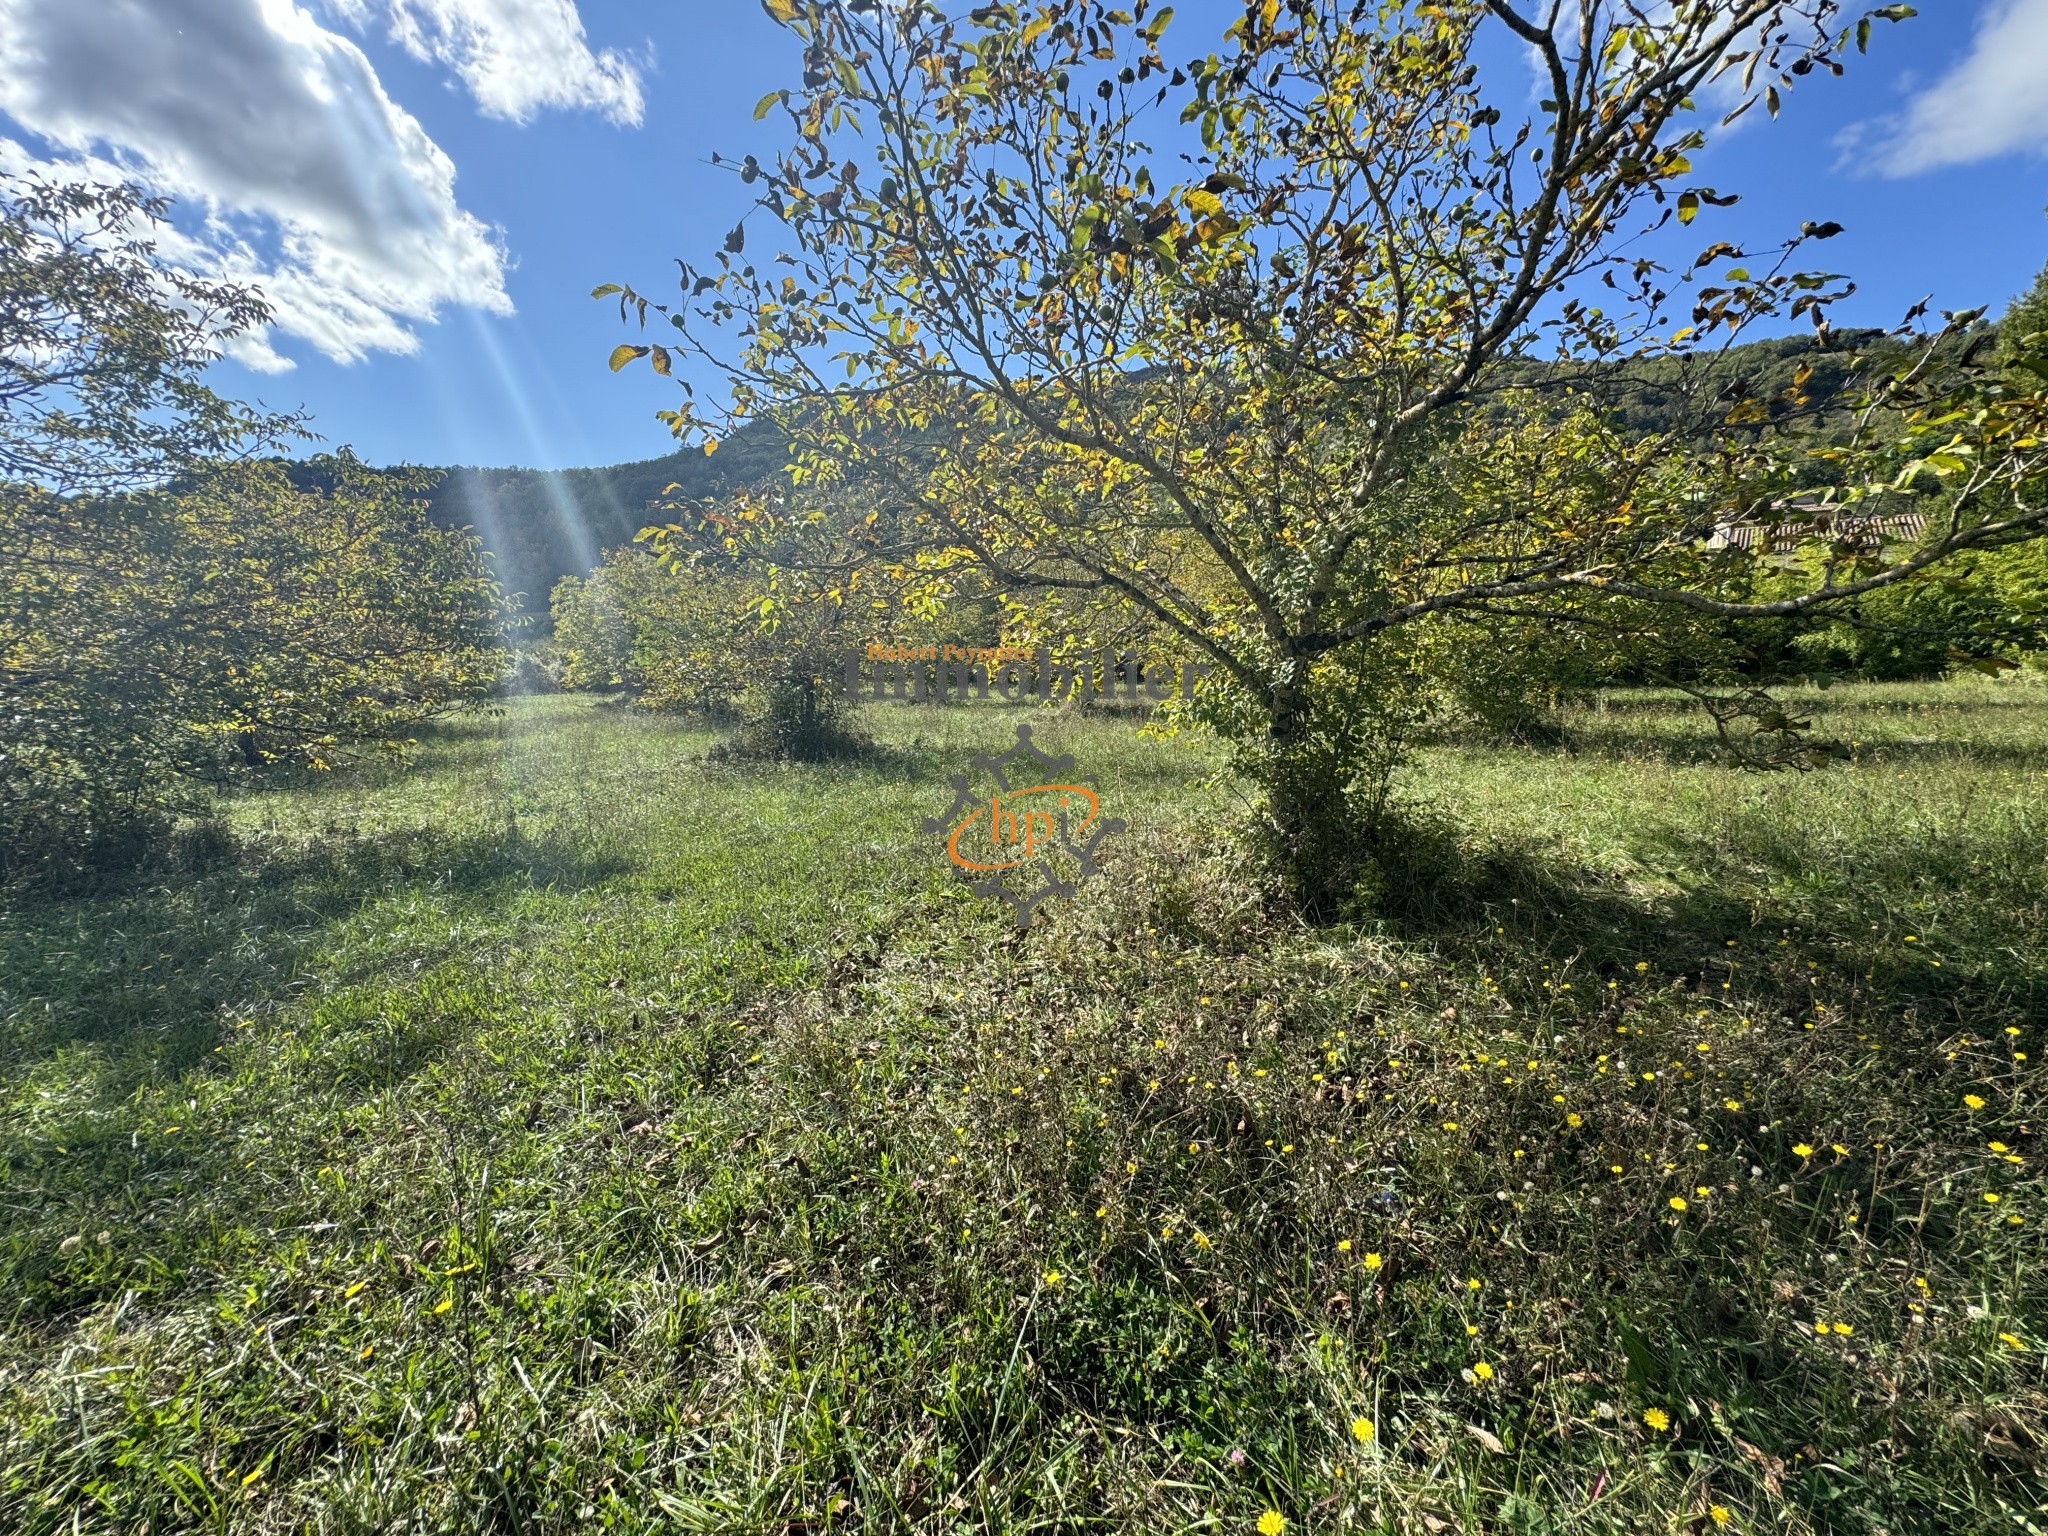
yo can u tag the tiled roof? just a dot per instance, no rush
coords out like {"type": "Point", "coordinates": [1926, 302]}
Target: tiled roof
{"type": "Point", "coordinates": [1799, 518]}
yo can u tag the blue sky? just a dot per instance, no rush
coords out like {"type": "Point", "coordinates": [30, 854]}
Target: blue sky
{"type": "Point", "coordinates": [429, 189]}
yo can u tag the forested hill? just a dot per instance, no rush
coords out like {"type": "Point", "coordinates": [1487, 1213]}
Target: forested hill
{"type": "Point", "coordinates": [542, 525]}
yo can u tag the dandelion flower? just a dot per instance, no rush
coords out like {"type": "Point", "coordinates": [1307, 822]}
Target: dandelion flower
{"type": "Point", "coordinates": [1052, 1277]}
{"type": "Point", "coordinates": [1482, 1370]}
{"type": "Point", "coordinates": [1989, 1198]}
{"type": "Point", "coordinates": [1972, 1101]}
{"type": "Point", "coordinates": [1202, 1242]}
{"type": "Point", "coordinates": [1678, 1202]}
{"type": "Point", "coordinates": [1272, 1522]}
{"type": "Point", "coordinates": [1362, 1431]}
{"type": "Point", "coordinates": [1372, 1261]}
{"type": "Point", "coordinates": [1344, 1245]}
{"type": "Point", "coordinates": [1718, 1513]}
{"type": "Point", "coordinates": [1574, 1120]}
{"type": "Point", "coordinates": [1842, 1328]}
{"type": "Point", "coordinates": [1731, 1103]}
{"type": "Point", "coordinates": [2012, 1340]}
{"type": "Point", "coordinates": [1801, 1149]}
{"type": "Point", "coordinates": [1657, 1419]}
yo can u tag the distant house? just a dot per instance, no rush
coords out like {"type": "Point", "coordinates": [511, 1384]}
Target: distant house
{"type": "Point", "coordinates": [1798, 519]}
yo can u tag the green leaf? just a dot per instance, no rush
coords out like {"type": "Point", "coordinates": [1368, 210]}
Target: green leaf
{"type": "Point", "coordinates": [603, 289]}
{"type": "Point", "coordinates": [1688, 207]}
{"type": "Point", "coordinates": [767, 104]}
{"type": "Point", "coordinates": [624, 353]}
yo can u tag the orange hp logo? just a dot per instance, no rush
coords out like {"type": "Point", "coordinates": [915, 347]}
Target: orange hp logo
{"type": "Point", "coordinates": [1036, 817]}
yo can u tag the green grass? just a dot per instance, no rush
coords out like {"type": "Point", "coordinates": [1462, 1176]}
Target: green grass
{"type": "Point", "coordinates": [563, 1133]}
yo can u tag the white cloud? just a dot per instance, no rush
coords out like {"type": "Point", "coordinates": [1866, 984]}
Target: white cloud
{"type": "Point", "coordinates": [305, 176]}
{"type": "Point", "coordinates": [1995, 102]}
{"type": "Point", "coordinates": [516, 56]}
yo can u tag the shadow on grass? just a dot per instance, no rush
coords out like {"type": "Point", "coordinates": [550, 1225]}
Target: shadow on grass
{"type": "Point", "coordinates": [148, 971]}
{"type": "Point", "coordinates": [1755, 897]}
{"type": "Point", "coordinates": [1687, 750]}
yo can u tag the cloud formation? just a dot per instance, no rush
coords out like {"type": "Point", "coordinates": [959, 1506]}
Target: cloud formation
{"type": "Point", "coordinates": [293, 167]}
{"type": "Point", "coordinates": [516, 56]}
{"type": "Point", "coordinates": [308, 179]}
{"type": "Point", "coordinates": [1994, 102]}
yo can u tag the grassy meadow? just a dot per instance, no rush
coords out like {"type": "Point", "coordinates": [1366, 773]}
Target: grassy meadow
{"type": "Point", "coordinates": [563, 1132]}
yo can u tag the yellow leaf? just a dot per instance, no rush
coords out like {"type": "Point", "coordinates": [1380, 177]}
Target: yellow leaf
{"type": "Point", "coordinates": [710, 446]}
{"type": "Point", "coordinates": [1208, 204]}
{"type": "Point", "coordinates": [1688, 206]}
{"type": "Point", "coordinates": [1270, 14]}
{"type": "Point", "coordinates": [1037, 29]}
{"type": "Point", "coordinates": [624, 353]}
{"type": "Point", "coordinates": [783, 11]}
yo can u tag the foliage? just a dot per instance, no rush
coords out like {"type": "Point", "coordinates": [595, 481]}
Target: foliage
{"type": "Point", "coordinates": [567, 1137]}
{"type": "Point", "coordinates": [2021, 329]}
{"type": "Point", "coordinates": [170, 610]}
{"type": "Point", "coordinates": [688, 636]}
{"type": "Point", "coordinates": [103, 344]}
{"type": "Point", "coordinates": [1233, 397]}
{"type": "Point", "coordinates": [158, 637]}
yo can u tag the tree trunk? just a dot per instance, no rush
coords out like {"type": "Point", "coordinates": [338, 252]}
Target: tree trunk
{"type": "Point", "coordinates": [1311, 824]}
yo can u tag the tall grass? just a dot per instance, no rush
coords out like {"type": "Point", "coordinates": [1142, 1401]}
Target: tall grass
{"type": "Point", "coordinates": [565, 1132]}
